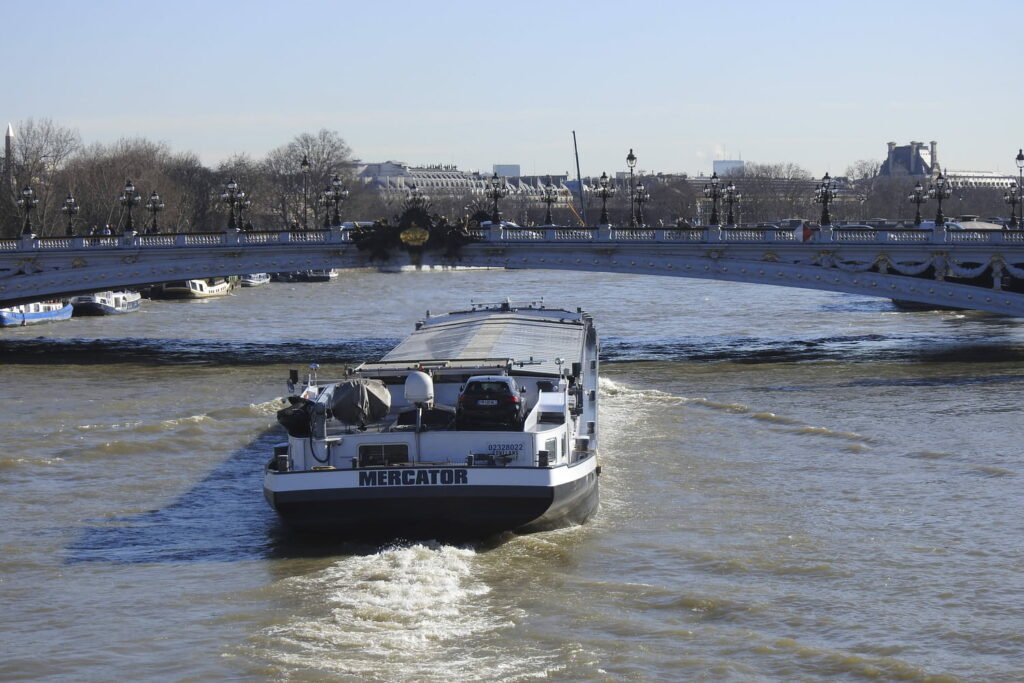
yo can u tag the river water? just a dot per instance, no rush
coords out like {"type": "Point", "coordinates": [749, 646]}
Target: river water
{"type": "Point", "coordinates": [797, 486]}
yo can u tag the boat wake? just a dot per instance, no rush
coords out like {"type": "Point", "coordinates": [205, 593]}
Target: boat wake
{"type": "Point", "coordinates": [629, 395]}
{"type": "Point", "coordinates": [413, 612]}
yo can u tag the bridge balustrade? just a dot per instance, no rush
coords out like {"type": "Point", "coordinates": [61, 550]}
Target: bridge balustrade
{"type": "Point", "coordinates": [710, 234]}
{"type": "Point", "coordinates": [158, 240]}
{"type": "Point", "coordinates": [573, 234]}
{"type": "Point", "coordinates": [632, 235]}
{"type": "Point", "coordinates": [522, 235]}
{"type": "Point", "coordinates": [685, 235]}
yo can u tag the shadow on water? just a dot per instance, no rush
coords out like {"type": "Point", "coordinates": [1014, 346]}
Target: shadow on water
{"type": "Point", "coordinates": [43, 351]}
{"type": "Point", "coordinates": [222, 518]}
{"type": "Point", "coordinates": [866, 348]}
{"type": "Point", "coordinates": [996, 342]}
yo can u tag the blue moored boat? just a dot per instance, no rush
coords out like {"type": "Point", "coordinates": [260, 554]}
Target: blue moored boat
{"type": "Point", "coordinates": [36, 312]}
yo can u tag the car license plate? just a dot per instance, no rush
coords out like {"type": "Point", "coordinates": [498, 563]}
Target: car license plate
{"type": "Point", "coordinates": [487, 402]}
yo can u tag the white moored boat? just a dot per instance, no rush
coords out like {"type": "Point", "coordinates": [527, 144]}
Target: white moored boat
{"type": "Point", "coordinates": [192, 289]}
{"type": "Point", "coordinates": [480, 421]}
{"type": "Point", "coordinates": [254, 279]}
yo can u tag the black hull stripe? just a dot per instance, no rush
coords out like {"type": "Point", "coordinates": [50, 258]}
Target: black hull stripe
{"type": "Point", "coordinates": [437, 511]}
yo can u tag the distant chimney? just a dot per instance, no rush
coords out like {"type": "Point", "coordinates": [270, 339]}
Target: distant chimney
{"type": "Point", "coordinates": [888, 158]}
{"type": "Point", "coordinates": [935, 155]}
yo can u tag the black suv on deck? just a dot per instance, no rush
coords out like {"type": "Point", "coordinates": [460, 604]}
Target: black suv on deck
{"type": "Point", "coordinates": [490, 402]}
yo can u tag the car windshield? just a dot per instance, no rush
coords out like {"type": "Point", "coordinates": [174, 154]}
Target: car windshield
{"type": "Point", "coordinates": [487, 388]}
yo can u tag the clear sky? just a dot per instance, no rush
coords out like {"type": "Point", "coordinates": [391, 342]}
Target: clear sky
{"type": "Point", "coordinates": [819, 84]}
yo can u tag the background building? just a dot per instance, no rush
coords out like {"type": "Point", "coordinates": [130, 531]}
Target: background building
{"type": "Point", "coordinates": [724, 167]}
{"type": "Point", "coordinates": [911, 160]}
{"type": "Point", "coordinates": [507, 170]}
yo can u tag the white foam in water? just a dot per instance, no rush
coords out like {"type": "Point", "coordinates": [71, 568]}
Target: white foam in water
{"type": "Point", "coordinates": [405, 613]}
{"type": "Point", "coordinates": [615, 391]}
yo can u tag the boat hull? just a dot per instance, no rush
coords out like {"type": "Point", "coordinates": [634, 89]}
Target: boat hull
{"type": "Point", "coordinates": [17, 318]}
{"type": "Point", "coordinates": [97, 308]}
{"type": "Point", "coordinates": [437, 512]}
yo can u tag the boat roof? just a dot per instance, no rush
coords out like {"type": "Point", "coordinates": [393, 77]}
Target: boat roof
{"type": "Point", "coordinates": [531, 338]}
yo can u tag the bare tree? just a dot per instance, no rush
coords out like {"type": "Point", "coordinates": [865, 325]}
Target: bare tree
{"type": "Point", "coordinates": [41, 151]}
{"type": "Point", "coordinates": [296, 189]}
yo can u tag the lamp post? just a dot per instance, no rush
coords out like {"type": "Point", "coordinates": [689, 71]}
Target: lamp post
{"type": "Point", "coordinates": [1020, 184]}
{"type": "Point", "coordinates": [326, 199]}
{"type": "Point", "coordinates": [604, 192]}
{"type": "Point", "coordinates": [918, 197]}
{"type": "Point", "coordinates": [304, 164]}
{"type": "Point", "coordinates": [154, 206]}
{"type": "Point", "coordinates": [69, 209]}
{"type": "Point", "coordinates": [713, 192]}
{"type": "Point", "coordinates": [549, 198]}
{"type": "Point", "coordinates": [340, 194]}
{"type": "Point", "coordinates": [823, 195]}
{"type": "Point", "coordinates": [496, 192]}
{"type": "Point", "coordinates": [942, 189]}
{"type": "Point", "coordinates": [233, 197]}
{"type": "Point", "coordinates": [631, 162]}
{"type": "Point", "coordinates": [640, 196]}
{"type": "Point", "coordinates": [731, 197]}
{"type": "Point", "coordinates": [1012, 197]}
{"type": "Point", "coordinates": [129, 200]}
{"type": "Point", "coordinates": [26, 202]}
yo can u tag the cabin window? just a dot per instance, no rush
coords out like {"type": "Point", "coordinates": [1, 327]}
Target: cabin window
{"type": "Point", "coordinates": [383, 454]}
{"type": "Point", "coordinates": [552, 417]}
{"type": "Point", "coordinates": [551, 446]}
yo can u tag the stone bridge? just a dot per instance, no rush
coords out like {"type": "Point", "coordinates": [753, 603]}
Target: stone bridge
{"type": "Point", "coordinates": [952, 265]}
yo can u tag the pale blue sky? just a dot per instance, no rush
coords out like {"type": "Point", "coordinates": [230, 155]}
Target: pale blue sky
{"type": "Point", "coordinates": [820, 84]}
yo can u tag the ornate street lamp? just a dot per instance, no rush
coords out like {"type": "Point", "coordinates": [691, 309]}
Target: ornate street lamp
{"type": "Point", "coordinates": [340, 193]}
{"type": "Point", "coordinates": [918, 197]}
{"type": "Point", "coordinates": [26, 202]}
{"type": "Point", "coordinates": [823, 195]}
{"type": "Point", "coordinates": [1012, 197]}
{"type": "Point", "coordinates": [1020, 184]}
{"type": "Point", "coordinates": [942, 189]}
{"type": "Point", "coordinates": [69, 209]}
{"type": "Point", "coordinates": [550, 197]}
{"type": "Point", "coordinates": [497, 190]}
{"type": "Point", "coordinates": [631, 162]}
{"type": "Point", "coordinates": [714, 193]}
{"type": "Point", "coordinates": [604, 192]}
{"type": "Point", "coordinates": [154, 206]}
{"type": "Point", "coordinates": [129, 200]}
{"type": "Point", "coordinates": [233, 197]}
{"type": "Point", "coordinates": [326, 199]}
{"type": "Point", "coordinates": [731, 197]}
{"type": "Point", "coordinates": [304, 164]}
{"type": "Point", "coordinates": [640, 196]}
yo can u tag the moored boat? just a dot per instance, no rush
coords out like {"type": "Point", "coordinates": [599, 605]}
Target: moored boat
{"type": "Point", "coordinates": [479, 422]}
{"type": "Point", "coordinates": [192, 289]}
{"type": "Point", "coordinates": [35, 312]}
{"type": "Point", "coordinates": [106, 303]}
{"type": "Point", "coordinates": [318, 275]}
{"type": "Point", "coordinates": [254, 279]}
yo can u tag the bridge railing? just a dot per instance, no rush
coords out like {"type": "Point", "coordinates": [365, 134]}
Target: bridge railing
{"type": "Point", "coordinates": [555, 234]}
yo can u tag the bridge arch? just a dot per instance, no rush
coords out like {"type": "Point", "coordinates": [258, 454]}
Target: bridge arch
{"type": "Point", "coordinates": [981, 270]}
